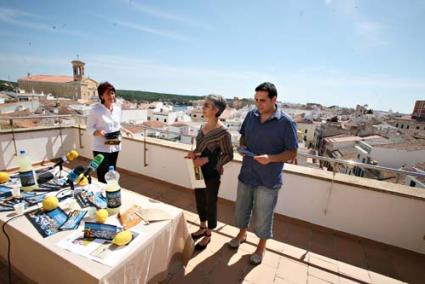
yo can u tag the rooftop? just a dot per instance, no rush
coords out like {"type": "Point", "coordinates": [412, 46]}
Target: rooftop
{"type": "Point", "coordinates": [353, 138]}
{"type": "Point", "coordinates": [413, 145]}
{"type": "Point", "coordinates": [320, 232]}
{"type": "Point", "coordinates": [154, 124]}
{"type": "Point", "coordinates": [300, 252]}
{"type": "Point", "coordinates": [48, 78]}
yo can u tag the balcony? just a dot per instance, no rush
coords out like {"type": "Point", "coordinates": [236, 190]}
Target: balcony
{"type": "Point", "coordinates": [328, 227]}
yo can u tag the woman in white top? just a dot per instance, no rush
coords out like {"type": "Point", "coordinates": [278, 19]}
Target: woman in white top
{"type": "Point", "coordinates": [105, 118]}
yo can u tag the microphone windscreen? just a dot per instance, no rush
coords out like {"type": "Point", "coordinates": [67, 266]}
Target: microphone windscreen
{"type": "Point", "coordinates": [72, 155]}
{"type": "Point", "coordinates": [44, 177]}
{"type": "Point", "coordinates": [95, 163]}
{"type": "Point", "coordinates": [79, 170]}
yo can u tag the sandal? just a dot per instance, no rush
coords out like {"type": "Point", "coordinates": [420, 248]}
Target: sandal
{"type": "Point", "coordinates": [235, 243]}
{"type": "Point", "coordinates": [199, 235]}
{"type": "Point", "coordinates": [200, 247]}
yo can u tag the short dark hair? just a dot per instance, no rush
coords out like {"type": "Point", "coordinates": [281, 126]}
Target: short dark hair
{"type": "Point", "coordinates": [268, 87]}
{"type": "Point", "coordinates": [102, 88]}
{"type": "Point", "coordinates": [219, 103]}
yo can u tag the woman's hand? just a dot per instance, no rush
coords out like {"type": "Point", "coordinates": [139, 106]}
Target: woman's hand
{"type": "Point", "coordinates": [200, 161]}
{"type": "Point", "coordinates": [220, 170]}
{"type": "Point", "coordinates": [129, 133]}
{"type": "Point", "coordinates": [99, 133]}
{"type": "Point", "coordinates": [191, 155]}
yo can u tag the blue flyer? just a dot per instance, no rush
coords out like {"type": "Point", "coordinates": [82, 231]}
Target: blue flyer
{"type": "Point", "coordinates": [101, 231]}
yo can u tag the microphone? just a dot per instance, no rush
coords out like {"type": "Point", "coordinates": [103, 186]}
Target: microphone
{"type": "Point", "coordinates": [66, 158]}
{"type": "Point", "coordinates": [94, 164]}
{"type": "Point", "coordinates": [74, 174]}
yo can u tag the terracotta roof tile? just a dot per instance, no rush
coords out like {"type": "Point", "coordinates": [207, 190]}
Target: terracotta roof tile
{"type": "Point", "coordinates": [48, 78]}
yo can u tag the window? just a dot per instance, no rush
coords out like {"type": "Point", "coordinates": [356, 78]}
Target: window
{"type": "Point", "coordinates": [417, 127]}
{"type": "Point", "coordinates": [364, 160]}
{"type": "Point", "coordinates": [305, 131]}
{"type": "Point", "coordinates": [402, 126]}
{"type": "Point", "coordinates": [396, 125]}
{"type": "Point", "coordinates": [407, 127]}
{"type": "Point", "coordinates": [412, 183]}
{"type": "Point", "coordinates": [358, 156]}
{"type": "Point", "coordinates": [165, 120]}
{"type": "Point", "coordinates": [194, 115]}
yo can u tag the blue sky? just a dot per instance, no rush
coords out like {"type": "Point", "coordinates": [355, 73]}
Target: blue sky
{"type": "Point", "coordinates": [334, 52]}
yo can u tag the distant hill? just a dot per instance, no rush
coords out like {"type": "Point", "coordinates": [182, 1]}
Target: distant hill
{"type": "Point", "coordinates": [152, 96]}
{"type": "Point", "coordinates": [130, 95]}
{"type": "Point", "coordinates": [8, 86]}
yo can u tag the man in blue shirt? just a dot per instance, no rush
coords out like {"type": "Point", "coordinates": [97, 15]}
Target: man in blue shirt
{"type": "Point", "coordinates": [269, 138]}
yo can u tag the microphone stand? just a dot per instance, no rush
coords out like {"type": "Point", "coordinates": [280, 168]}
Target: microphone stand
{"type": "Point", "coordinates": [60, 169]}
{"type": "Point", "coordinates": [72, 185]}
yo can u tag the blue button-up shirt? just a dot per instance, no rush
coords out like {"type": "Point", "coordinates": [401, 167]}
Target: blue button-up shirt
{"type": "Point", "coordinates": [277, 134]}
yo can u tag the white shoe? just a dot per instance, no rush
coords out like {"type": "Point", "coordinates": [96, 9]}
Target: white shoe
{"type": "Point", "coordinates": [235, 243]}
{"type": "Point", "coordinates": [256, 259]}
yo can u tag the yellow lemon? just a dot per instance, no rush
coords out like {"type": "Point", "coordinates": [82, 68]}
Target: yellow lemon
{"type": "Point", "coordinates": [122, 238]}
{"type": "Point", "coordinates": [4, 177]}
{"type": "Point", "coordinates": [82, 180]}
{"type": "Point", "coordinates": [50, 203]}
{"type": "Point", "coordinates": [72, 155]}
{"type": "Point", "coordinates": [101, 215]}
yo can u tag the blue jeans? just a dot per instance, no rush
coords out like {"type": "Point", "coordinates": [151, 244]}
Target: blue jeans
{"type": "Point", "coordinates": [259, 201]}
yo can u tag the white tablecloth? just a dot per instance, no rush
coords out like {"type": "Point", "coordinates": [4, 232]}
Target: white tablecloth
{"type": "Point", "coordinates": [42, 261]}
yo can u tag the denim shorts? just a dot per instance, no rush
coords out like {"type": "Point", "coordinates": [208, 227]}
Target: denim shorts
{"type": "Point", "coordinates": [259, 201]}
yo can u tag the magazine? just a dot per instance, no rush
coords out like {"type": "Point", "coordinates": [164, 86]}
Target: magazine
{"type": "Point", "coordinates": [87, 198]}
{"type": "Point", "coordinates": [33, 197]}
{"type": "Point", "coordinates": [195, 175]}
{"type": "Point", "coordinates": [5, 191]}
{"type": "Point", "coordinates": [47, 223]}
{"type": "Point", "coordinates": [73, 221]}
{"type": "Point", "coordinates": [130, 218]}
{"type": "Point", "coordinates": [100, 250]}
{"type": "Point", "coordinates": [101, 231]}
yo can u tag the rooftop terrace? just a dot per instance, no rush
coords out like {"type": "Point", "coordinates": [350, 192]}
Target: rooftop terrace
{"type": "Point", "coordinates": [329, 228]}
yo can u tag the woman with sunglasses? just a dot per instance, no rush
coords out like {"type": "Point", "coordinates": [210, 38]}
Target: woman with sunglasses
{"type": "Point", "coordinates": [213, 151]}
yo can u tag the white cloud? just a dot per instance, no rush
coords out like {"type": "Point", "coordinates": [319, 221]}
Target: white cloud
{"type": "Point", "coordinates": [368, 33]}
{"type": "Point", "coordinates": [145, 29]}
{"type": "Point", "coordinates": [26, 20]}
{"type": "Point", "coordinates": [371, 32]}
{"type": "Point", "coordinates": [166, 15]}
{"type": "Point", "coordinates": [20, 59]}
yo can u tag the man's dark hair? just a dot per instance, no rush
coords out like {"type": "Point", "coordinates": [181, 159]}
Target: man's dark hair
{"type": "Point", "coordinates": [268, 87]}
{"type": "Point", "coordinates": [104, 87]}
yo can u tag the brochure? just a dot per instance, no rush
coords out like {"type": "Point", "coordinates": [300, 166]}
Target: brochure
{"type": "Point", "coordinates": [47, 223]}
{"type": "Point", "coordinates": [100, 250]}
